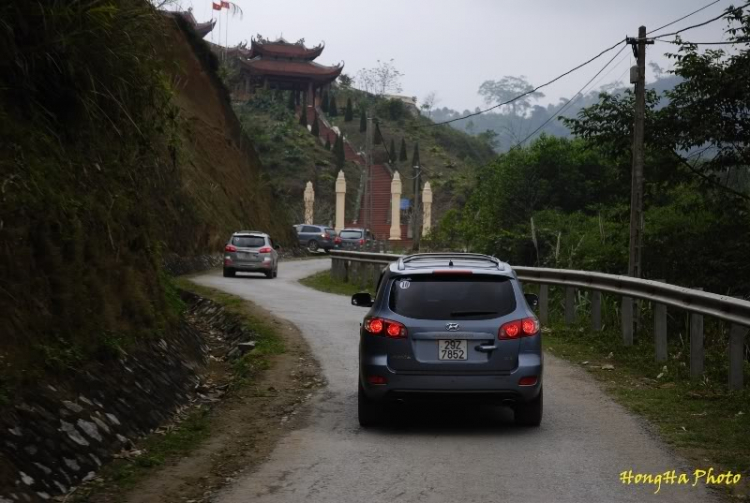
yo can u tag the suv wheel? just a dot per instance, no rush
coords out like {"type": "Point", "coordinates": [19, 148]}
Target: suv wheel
{"type": "Point", "coordinates": [530, 413]}
{"type": "Point", "coordinates": [370, 412]}
{"type": "Point", "coordinates": [312, 245]}
{"type": "Point", "coordinates": [269, 274]}
{"type": "Point", "coordinates": [228, 273]}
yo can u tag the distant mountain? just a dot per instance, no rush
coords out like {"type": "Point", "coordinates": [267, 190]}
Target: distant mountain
{"type": "Point", "coordinates": [511, 128]}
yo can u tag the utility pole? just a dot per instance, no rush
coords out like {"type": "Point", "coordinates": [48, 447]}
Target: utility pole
{"type": "Point", "coordinates": [637, 77]}
{"type": "Point", "coordinates": [635, 252]}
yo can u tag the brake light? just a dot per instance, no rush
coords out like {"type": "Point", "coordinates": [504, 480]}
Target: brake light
{"type": "Point", "coordinates": [361, 241]}
{"type": "Point", "coordinates": [527, 381]}
{"type": "Point", "coordinates": [337, 241]}
{"type": "Point", "coordinates": [230, 248]}
{"type": "Point", "coordinates": [377, 380]}
{"type": "Point", "coordinates": [453, 271]}
{"type": "Point", "coordinates": [519, 328]}
{"type": "Point", "coordinates": [265, 249]}
{"type": "Point", "coordinates": [388, 328]}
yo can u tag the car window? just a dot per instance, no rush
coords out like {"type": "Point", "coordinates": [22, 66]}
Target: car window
{"type": "Point", "coordinates": [309, 228]}
{"type": "Point", "coordinates": [248, 241]}
{"type": "Point", "coordinates": [452, 298]}
{"type": "Point", "coordinates": [350, 234]}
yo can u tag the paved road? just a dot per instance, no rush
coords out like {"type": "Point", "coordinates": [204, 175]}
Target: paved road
{"type": "Point", "coordinates": [441, 455]}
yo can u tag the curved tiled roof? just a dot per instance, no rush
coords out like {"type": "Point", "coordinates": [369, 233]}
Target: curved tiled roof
{"type": "Point", "coordinates": [282, 68]}
{"type": "Point", "coordinates": [282, 49]}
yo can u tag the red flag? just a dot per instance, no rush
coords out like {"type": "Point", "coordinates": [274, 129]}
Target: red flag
{"type": "Point", "coordinates": [224, 4]}
{"type": "Point", "coordinates": [216, 6]}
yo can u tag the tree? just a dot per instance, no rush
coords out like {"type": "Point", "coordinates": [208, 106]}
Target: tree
{"type": "Point", "coordinates": [339, 152]}
{"type": "Point", "coordinates": [415, 155]}
{"type": "Point", "coordinates": [489, 137]}
{"type": "Point", "coordinates": [291, 103]}
{"type": "Point", "coordinates": [363, 121]}
{"type": "Point", "coordinates": [349, 113]}
{"type": "Point", "coordinates": [508, 88]}
{"type": "Point", "coordinates": [429, 102]}
{"type": "Point", "coordinates": [315, 129]}
{"type": "Point", "coordinates": [345, 80]}
{"type": "Point", "coordinates": [402, 153]}
{"type": "Point", "coordinates": [392, 152]}
{"type": "Point", "coordinates": [325, 102]}
{"type": "Point", "coordinates": [382, 79]}
{"type": "Point", "coordinates": [333, 110]}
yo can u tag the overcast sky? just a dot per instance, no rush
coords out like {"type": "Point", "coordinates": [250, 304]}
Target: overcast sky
{"type": "Point", "coordinates": [452, 46]}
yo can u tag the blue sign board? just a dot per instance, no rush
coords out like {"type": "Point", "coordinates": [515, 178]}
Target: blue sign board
{"type": "Point", "coordinates": [405, 203]}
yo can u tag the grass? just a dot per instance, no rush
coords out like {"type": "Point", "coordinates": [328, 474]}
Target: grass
{"type": "Point", "coordinates": [702, 419]}
{"type": "Point", "coordinates": [322, 281]}
{"type": "Point", "coordinates": [196, 427]}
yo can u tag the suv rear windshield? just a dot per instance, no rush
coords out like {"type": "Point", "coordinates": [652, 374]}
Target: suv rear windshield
{"type": "Point", "coordinates": [248, 241]}
{"type": "Point", "coordinates": [452, 297]}
{"type": "Point", "coordinates": [350, 235]}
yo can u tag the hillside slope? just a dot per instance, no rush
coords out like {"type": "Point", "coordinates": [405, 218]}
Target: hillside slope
{"type": "Point", "coordinates": [108, 164]}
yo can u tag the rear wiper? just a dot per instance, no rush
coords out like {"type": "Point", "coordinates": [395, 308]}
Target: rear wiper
{"type": "Point", "coordinates": [472, 313]}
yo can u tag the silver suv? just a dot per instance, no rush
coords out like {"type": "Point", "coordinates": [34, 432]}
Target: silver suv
{"type": "Point", "coordinates": [251, 251]}
{"type": "Point", "coordinates": [450, 325]}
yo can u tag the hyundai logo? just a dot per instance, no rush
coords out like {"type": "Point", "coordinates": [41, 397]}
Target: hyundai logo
{"type": "Point", "coordinates": [452, 327]}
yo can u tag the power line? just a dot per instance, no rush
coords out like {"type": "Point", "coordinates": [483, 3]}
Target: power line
{"type": "Point", "coordinates": [704, 23]}
{"type": "Point", "coordinates": [528, 92]}
{"type": "Point", "coordinates": [683, 42]}
{"type": "Point", "coordinates": [684, 17]}
{"type": "Point", "coordinates": [576, 97]}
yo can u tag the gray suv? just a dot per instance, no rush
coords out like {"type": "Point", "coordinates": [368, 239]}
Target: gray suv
{"type": "Point", "coordinates": [450, 325]}
{"type": "Point", "coordinates": [251, 251]}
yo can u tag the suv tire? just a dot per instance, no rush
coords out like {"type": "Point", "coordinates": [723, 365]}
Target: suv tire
{"type": "Point", "coordinates": [530, 413]}
{"type": "Point", "coordinates": [370, 412]}
{"type": "Point", "coordinates": [269, 274]}
{"type": "Point", "coordinates": [312, 245]}
{"type": "Point", "coordinates": [228, 272]}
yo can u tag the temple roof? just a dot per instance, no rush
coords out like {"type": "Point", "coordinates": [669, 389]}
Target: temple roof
{"type": "Point", "coordinates": [296, 69]}
{"type": "Point", "coordinates": [283, 49]}
{"type": "Point", "coordinates": [202, 29]}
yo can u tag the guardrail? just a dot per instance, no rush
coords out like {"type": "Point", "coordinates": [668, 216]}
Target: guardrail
{"type": "Point", "coordinates": [364, 269]}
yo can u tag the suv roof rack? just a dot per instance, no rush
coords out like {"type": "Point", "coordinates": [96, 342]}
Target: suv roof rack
{"type": "Point", "coordinates": [450, 257]}
{"type": "Point", "coordinates": [249, 232]}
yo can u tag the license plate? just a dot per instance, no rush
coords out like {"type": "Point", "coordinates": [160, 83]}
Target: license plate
{"type": "Point", "coordinates": [452, 349]}
{"type": "Point", "coordinates": [247, 256]}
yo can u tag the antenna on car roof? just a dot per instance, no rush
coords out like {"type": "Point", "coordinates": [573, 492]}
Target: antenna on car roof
{"type": "Point", "coordinates": [450, 263]}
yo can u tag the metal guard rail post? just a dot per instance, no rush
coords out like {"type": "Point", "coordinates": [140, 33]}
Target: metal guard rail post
{"type": "Point", "coordinates": [696, 302]}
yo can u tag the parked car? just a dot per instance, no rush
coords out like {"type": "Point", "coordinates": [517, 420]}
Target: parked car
{"type": "Point", "coordinates": [316, 237]}
{"type": "Point", "coordinates": [450, 325]}
{"type": "Point", "coordinates": [251, 251]}
{"type": "Point", "coordinates": [356, 239]}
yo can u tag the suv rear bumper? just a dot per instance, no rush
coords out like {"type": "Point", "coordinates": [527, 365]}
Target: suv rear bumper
{"type": "Point", "coordinates": [502, 386]}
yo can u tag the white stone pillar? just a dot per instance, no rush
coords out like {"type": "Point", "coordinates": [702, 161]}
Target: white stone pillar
{"type": "Point", "coordinates": [396, 207]}
{"type": "Point", "coordinates": [309, 201]}
{"type": "Point", "coordinates": [427, 208]}
{"type": "Point", "coordinates": [340, 201]}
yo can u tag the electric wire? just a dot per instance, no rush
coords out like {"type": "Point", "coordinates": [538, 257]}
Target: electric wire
{"type": "Point", "coordinates": [683, 17]}
{"type": "Point", "coordinates": [704, 23]}
{"type": "Point", "coordinates": [575, 98]}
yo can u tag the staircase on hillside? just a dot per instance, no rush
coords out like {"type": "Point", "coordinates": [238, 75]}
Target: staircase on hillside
{"type": "Point", "coordinates": [374, 210]}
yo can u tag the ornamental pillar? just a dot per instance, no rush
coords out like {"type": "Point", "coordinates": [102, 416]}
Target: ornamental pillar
{"type": "Point", "coordinates": [396, 207]}
{"type": "Point", "coordinates": [309, 201]}
{"type": "Point", "coordinates": [340, 201]}
{"type": "Point", "coordinates": [427, 208]}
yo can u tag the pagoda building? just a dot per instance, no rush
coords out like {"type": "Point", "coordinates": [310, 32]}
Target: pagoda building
{"type": "Point", "coordinates": [286, 66]}
{"type": "Point", "coordinates": [202, 29]}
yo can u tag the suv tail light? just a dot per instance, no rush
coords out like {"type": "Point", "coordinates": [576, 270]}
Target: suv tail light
{"type": "Point", "coordinates": [519, 328]}
{"type": "Point", "coordinates": [265, 249]}
{"type": "Point", "coordinates": [230, 248]}
{"type": "Point", "coordinates": [388, 328]}
{"type": "Point", "coordinates": [337, 240]}
{"type": "Point", "coordinates": [325, 236]}
{"type": "Point", "coordinates": [361, 241]}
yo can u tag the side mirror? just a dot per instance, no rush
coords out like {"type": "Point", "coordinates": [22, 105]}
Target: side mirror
{"type": "Point", "coordinates": [532, 299]}
{"type": "Point", "coordinates": [362, 299]}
